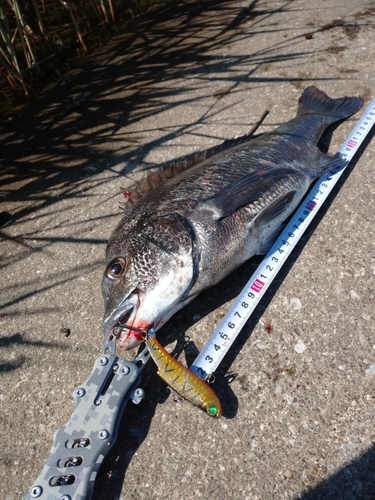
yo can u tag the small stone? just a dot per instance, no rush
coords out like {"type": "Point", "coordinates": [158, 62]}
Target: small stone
{"type": "Point", "coordinates": [295, 303]}
{"type": "Point", "coordinates": [371, 370]}
{"type": "Point", "coordinates": [65, 332]}
{"type": "Point", "coordinates": [300, 347]}
{"type": "Point", "coordinates": [278, 390]}
{"type": "Point", "coordinates": [354, 295]}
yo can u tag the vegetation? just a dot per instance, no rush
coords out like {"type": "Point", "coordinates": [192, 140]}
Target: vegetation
{"type": "Point", "coordinates": [39, 39]}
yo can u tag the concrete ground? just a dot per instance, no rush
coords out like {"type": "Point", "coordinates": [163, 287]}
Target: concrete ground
{"type": "Point", "coordinates": [186, 77]}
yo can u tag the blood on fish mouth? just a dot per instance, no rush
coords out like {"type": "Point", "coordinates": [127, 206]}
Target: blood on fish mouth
{"type": "Point", "coordinates": [128, 335]}
{"type": "Point", "coordinates": [123, 327]}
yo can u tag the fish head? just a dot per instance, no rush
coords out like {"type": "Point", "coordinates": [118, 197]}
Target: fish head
{"type": "Point", "coordinates": [149, 271]}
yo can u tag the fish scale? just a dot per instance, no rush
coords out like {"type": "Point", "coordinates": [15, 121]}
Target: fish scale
{"type": "Point", "coordinates": [200, 225]}
{"type": "Point", "coordinates": [102, 398]}
{"type": "Point", "coordinates": [244, 305]}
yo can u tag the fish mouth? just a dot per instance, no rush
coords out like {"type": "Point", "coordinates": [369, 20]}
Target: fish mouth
{"type": "Point", "coordinates": [121, 324]}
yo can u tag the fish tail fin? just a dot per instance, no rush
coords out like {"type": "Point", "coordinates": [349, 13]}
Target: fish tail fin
{"type": "Point", "coordinates": [315, 101]}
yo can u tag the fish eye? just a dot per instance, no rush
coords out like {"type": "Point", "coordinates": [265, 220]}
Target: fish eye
{"type": "Point", "coordinates": [116, 268]}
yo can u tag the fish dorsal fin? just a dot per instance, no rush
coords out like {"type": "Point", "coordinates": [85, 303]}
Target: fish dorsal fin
{"type": "Point", "coordinates": [248, 190]}
{"type": "Point", "coordinates": [154, 179]}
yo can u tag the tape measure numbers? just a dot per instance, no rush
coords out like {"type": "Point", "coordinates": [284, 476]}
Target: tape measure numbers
{"type": "Point", "coordinates": [230, 326]}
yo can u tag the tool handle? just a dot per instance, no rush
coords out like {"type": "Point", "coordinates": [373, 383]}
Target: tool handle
{"type": "Point", "coordinates": [80, 446]}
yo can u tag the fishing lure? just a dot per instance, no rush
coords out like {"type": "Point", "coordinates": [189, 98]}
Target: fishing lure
{"type": "Point", "coordinates": [186, 383]}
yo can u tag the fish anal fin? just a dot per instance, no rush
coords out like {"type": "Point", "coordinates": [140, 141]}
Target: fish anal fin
{"type": "Point", "coordinates": [328, 162]}
{"type": "Point", "coordinates": [269, 215]}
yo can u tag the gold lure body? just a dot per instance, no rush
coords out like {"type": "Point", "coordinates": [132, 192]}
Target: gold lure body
{"type": "Point", "coordinates": [186, 383]}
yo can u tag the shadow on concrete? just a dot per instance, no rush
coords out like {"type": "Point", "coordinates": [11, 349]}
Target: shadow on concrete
{"type": "Point", "coordinates": [355, 481]}
{"type": "Point", "coordinates": [48, 147]}
{"type": "Point", "coordinates": [6, 365]}
{"type": "Point", "coordinates": [49, 152]}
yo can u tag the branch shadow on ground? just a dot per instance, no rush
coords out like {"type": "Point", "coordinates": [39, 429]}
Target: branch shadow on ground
{"type": "Point", "coordinates": [18, 339]}
{"type": "Point", "coordinates": [131, 79]}
{"type": "Point", "coordinates": [49, 152]}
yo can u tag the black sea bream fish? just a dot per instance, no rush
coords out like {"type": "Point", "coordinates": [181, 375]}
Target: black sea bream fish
{"type": "Point", "coordinates": [196, 228]}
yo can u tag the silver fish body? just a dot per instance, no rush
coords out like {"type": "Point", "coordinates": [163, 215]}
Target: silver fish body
{"type": "Point", "coordinates": [196, 228]}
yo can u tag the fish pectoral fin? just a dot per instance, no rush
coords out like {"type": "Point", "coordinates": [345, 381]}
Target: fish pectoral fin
{"type": "Point", "coordinates": [271, 213]}
{"type": "Point", "coordinates": [246, 190]}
